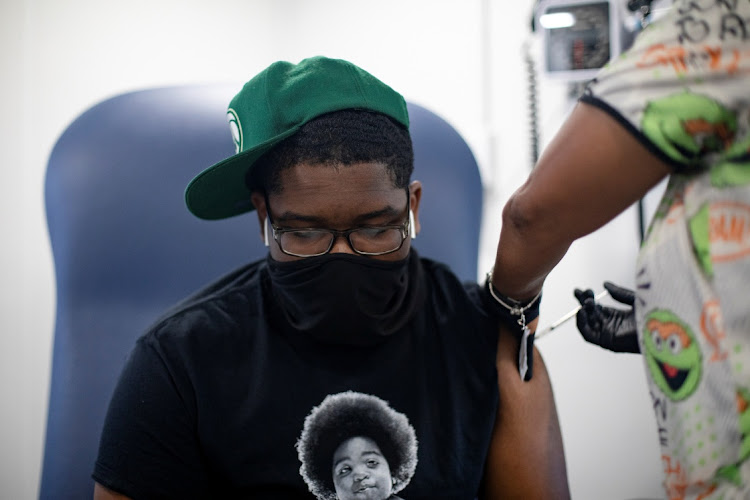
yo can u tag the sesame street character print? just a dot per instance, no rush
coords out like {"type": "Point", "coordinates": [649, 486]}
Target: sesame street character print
{"type": "Point", "coordinates": [734, 167]}
{"type": "Point", "coordinates": [697, 131]}
{"type": "Point", "coordinates": [672, 354]}
{"type": "Point", "coordinates": [688, 126]}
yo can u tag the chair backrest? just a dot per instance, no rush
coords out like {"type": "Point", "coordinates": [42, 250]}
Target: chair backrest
{"type": "Point", "coordinates": [125, 247]}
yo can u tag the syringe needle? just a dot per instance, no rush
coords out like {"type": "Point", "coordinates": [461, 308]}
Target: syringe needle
{"type": "Point", "coordinates": [541, 333]}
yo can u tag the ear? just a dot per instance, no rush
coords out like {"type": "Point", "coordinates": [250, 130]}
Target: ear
{"type": "Point", "coordinates": [259, 202]}
{"type": "Point", "coordinates": [415, 195]}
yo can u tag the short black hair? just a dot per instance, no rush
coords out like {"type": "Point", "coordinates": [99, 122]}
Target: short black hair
{"type": "Point", "coordinates": [351, 414]}
{"type": "Point", "coordinates": [339, 138]}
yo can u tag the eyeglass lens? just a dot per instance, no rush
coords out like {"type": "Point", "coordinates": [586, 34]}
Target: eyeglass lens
{"type": "Point", "coordinates": [363, 240]}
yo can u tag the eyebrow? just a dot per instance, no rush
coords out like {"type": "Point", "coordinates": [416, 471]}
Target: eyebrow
{"type": "Point", "coordinates": [290, 216]}
{"type": "Point", "coordinates": [364, 453]}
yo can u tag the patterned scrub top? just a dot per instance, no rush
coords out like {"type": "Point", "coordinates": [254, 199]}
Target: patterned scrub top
{"type": "Point", "coordinates": [683, 90]}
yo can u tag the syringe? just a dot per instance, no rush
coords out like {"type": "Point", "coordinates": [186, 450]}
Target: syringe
{"type": "Point", "coordinates": [541, 333]}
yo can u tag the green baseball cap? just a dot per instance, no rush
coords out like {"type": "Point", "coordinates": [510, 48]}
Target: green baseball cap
{"type": "Point", "coordinates": [273, 106]}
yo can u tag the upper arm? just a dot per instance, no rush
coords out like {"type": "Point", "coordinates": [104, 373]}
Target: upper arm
{"type": "Point", "coordinates": [102, 493]}
{"type": "Point", "coordinates": [593, 169]}
{"type": "Point", "coordinates": [526, 458]}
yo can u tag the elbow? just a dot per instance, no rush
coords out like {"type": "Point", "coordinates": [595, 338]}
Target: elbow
{"type": "Point", "coordinates": [523, 217]}
{"type": "Point", "coordinates": [545, 220]}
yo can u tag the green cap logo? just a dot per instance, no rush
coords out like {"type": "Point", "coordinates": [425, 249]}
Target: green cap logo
{"type": "Point", "coordinates": [236, 128]}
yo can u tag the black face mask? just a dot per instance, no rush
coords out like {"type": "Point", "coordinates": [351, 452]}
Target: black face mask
{"type": "Point", "coordinates": [347, 299]}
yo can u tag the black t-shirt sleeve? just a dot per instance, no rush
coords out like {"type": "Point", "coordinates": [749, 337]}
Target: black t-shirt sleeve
{"type": "Point", "coordinates": [452, 298]}
{"type": "Point", "coordinates": [148, 445]}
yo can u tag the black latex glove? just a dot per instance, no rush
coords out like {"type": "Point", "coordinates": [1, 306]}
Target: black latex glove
{"type": "Point", "coordinates": [610, 328]}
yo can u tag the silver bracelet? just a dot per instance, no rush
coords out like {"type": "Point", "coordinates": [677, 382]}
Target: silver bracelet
{"type": "Point", "coordinates": [516, 310]}
{"type": "Point", "coordinates": [526, 341]}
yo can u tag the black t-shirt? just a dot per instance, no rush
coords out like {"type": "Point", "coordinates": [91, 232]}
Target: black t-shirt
{"type": "Point", "coordinates": [213, 397]}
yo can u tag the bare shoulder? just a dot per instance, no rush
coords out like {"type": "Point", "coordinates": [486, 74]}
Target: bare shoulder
{"type": "Point", "coordinates": [532, 400]}
{"type": "Point", "coordinates": [102, 493]}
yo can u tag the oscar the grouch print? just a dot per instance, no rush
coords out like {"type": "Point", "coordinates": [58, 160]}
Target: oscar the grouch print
{"type": "Point", "coordinates": [672, 355]}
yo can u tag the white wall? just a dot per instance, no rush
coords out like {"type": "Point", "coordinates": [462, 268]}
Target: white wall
{"type": "Point", "coordinates": [461, 58]}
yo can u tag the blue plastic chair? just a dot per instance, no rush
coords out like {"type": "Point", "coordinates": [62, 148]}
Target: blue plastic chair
{"type": "Point", "coordinates": [126, 248]}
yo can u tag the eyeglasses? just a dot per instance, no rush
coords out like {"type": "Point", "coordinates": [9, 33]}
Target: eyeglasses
{"type": "Point", "coordinates": [364, 240]}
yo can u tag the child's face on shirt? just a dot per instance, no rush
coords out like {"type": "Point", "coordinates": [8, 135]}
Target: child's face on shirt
{"type": "Point", "coordinates": [360, 471]}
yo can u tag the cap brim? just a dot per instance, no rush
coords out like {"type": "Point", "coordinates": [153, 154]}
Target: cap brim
{"type": "Point", "coordinates": [221, 191]}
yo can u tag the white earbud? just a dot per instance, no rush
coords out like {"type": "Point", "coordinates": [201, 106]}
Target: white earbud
{"type": "Point", "coordinates": [266, 237]}
{"type": "Point", "coordinates": [412, 228]}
